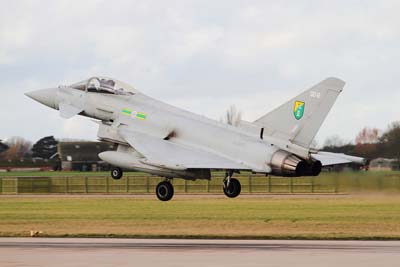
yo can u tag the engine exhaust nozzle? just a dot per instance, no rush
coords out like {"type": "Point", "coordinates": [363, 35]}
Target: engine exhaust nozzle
{"type": "Point", "coordinates": [287, 164]}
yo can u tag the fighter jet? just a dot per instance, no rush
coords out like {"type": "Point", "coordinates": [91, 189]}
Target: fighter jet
{"type": "Point", "coordinates": [160, 139]}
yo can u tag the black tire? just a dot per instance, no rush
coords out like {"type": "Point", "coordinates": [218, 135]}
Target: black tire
{"type": "Point", "coordinates": [234, 188]}
{"type": "Point", "coordinates": [116, 173]}
{"type": "Point", "coordinates": [164, 191]}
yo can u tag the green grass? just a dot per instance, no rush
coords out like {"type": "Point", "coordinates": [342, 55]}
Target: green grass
{"type": "Point", "coordinates": [328, 217]}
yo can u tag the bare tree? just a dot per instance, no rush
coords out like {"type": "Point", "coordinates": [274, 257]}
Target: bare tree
{"type": "Point", "coordinates": [368, 136]}
{"type": "Point", "coordinates": [18, 148]}
{"type": "Point", "coordinates": [232, 116]}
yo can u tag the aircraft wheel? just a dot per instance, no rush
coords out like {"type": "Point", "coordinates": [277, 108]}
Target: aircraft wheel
{"type": "Point", "coordinates": [116, 173]}
{"type": "Point", "coordinates": [234, 188]}
{"type": "Point", "coordinates": [164, 191]}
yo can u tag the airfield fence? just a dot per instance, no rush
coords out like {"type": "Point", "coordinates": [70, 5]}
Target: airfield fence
{"type": "Point", "coordinates": [146, 184]}
{"type": "Point", "coordinates": [138, 183]}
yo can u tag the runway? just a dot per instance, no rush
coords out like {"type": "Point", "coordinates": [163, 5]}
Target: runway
{"type": "Point", "coordinates": [152, 252]}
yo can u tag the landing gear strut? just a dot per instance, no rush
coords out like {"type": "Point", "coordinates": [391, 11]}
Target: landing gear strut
{"type": "Point", "coordinates": [116, 173]}
{"type": "Point", "coordinates": [232, 186]}
{"type": "Point", "coordinates": [165, 191]}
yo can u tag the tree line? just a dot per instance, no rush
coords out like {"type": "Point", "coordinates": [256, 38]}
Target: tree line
{"type": "Point", "coordinates": [18, 148]}
{"type": "Point", "coordinates": [370, 143]}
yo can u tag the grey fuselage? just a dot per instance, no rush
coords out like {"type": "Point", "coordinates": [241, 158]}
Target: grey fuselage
{"type": "Point", "coordinates": [188, 128]}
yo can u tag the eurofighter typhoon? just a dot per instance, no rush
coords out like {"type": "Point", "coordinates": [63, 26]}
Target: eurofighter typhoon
{"type": "Point", "coordinates": [164, 140]}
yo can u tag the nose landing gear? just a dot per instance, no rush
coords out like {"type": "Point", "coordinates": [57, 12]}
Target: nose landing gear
{"type": "Point", "coordinates": [116, 173]}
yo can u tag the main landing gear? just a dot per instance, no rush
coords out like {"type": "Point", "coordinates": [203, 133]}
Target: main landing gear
{"type": "Point", "coordinates": [232, 186]}
{"type": "Point", "coordinates": [165, 191]}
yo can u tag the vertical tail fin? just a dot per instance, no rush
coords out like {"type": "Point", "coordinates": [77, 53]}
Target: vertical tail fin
{"type": "Point", "coordinates": [299, 119]}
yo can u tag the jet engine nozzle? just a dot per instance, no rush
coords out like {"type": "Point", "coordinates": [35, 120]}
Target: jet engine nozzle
{"type": "Point", "coordinates": [315, 168]}
{"type": "Point", "coordinates": [287, 164]}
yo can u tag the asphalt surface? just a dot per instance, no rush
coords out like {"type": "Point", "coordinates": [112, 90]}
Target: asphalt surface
{"type": "Point", "coordinates": [148, 252]}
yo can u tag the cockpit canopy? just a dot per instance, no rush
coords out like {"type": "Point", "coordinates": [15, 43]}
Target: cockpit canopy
{"type": "Point", "coordinates": [104, 85]}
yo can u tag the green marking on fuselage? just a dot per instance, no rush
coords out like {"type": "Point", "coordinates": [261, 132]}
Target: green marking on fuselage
{"type": "Point", "coordinates": [126, 111]}
{"type": "Point", "coordinates": [141, 116]}
{"type": "Point", "coordinates": [134, 114]}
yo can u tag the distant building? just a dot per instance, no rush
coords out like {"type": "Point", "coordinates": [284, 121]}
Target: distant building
{"type": "Point", "coordinates": [382, 164]}
{"type": "Point", "coordinates": [83, 156]}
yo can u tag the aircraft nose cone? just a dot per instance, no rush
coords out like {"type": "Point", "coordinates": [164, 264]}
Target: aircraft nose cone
{"type": "Point", "coordinates": [45, 96]}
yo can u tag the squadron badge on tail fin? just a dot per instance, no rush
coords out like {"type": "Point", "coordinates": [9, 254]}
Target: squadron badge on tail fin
{"type": "Point", "coordinates": [299, 109]}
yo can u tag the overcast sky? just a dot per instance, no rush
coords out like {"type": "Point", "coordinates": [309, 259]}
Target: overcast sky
{"type": "Point", "coordinates": [202, 56]}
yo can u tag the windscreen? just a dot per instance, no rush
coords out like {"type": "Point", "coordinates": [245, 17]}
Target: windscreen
{"type": "Point", "coordinates": [105, 86]}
